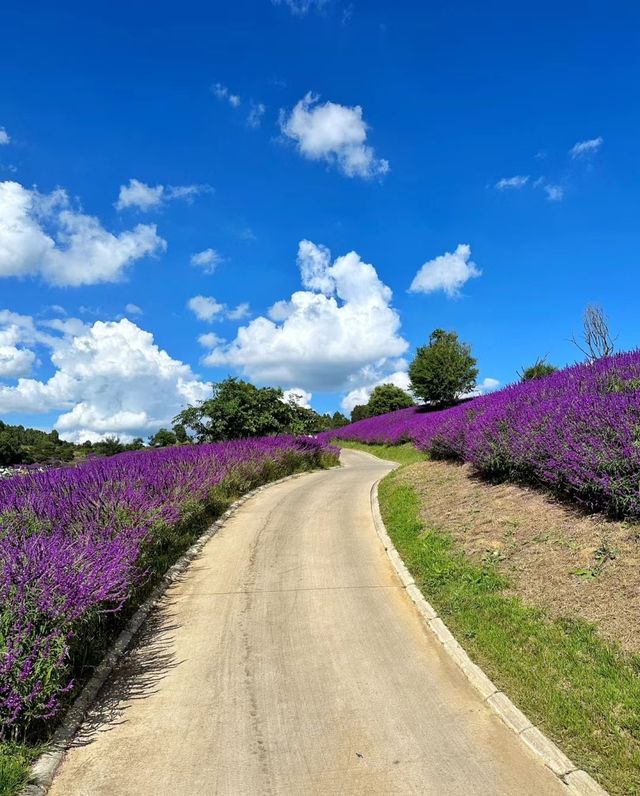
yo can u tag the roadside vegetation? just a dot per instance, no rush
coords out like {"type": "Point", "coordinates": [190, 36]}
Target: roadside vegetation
{"type": "Point", "coordinates": [580, 690]}
{"type": "Point", "coordinates": [82, 546]}
{"type": "Point", "coordinates": [542, 593]}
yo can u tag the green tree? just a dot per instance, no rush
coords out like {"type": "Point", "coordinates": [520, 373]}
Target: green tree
{"type": "Point", "coordinates": [238, 409]}
{"type": "Point", "coordinates": [443, 370]}
{"type": "Point", "coordinates": [539, 369]}
{"type": "Point", "coordinates": [10, 453]}
{"type": "Point", "coordinates": [338, 420]}
{"type": "Point", "coordinates": [387, 398]}
{"type": "Point", "coordinates": [162, 438]}
{"type": "Point", "coordinates": [359, 412]}
{"type": "Point", "coordinates": [108, 446]}
{"type": "Point", "coordinates": [181, 434]}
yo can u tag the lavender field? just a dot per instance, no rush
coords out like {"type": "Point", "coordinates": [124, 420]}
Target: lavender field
{"type": "Point", "coordinates": [79, 544]}
{"type": "Point", "coordinates": [576, 432]}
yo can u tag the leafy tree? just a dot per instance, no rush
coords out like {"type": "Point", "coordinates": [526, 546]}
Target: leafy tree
{"type": "Point", "coordinates": [162, 438]}
{"type": "Point", "coordinates": [338, 420]}
{"type": "Point", "coordinates": [539, 369]}
{"type": "Point", "coordinates": [443, 370]}
{"type": "Point", "coordinates": [387, 398]}
{"type": "Point", "coordinates": [238, 409]}
{"type": "Point", "coordinates": [136, 445]}
{"type": "Point", "coordinates": [10, 453]}
{"type": "Point", "coordinates": [108, 446]}
{"type": "Point", "coordinates": [359, 412]}
{"type": "Point", "coordinates": [181, 434]}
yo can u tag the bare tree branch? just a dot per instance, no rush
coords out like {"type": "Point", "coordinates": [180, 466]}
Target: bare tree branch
{"type": "Point", "coordinates": [597, 341]}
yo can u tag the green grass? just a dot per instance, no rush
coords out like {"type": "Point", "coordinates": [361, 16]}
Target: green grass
{"type": "Point", "coordinates": [15, 760]}
{"type": "Point", "coordinates": [581, 691]}
{"type": "Point", "coordinates": [403, 454]}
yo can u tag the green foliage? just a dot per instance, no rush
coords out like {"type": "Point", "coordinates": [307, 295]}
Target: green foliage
{"type": "Point", "coordinates": [20, 445]}
{"type": "Point", "coordinates": [387, 398]}
{"type": "Point", "coordinates": [580, 690]}
{"type": "Point", "coordinates": [163, 438]}
{"type": "Point", "coordinates": [359, 412]}
{"type": "Point", "coordinates": [443, 370]}
{"type": "Point", "coordinates": [239, 409]}
{"type": "Point", "coordinates": [539, 369]}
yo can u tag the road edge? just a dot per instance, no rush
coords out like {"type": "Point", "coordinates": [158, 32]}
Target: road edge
{"type": "Point", "coordinates": [577, 781]}
{"type": "Point", "coordinates": [44, 769]}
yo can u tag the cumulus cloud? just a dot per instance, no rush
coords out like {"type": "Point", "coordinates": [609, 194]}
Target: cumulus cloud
{"type": "Point", "coordinates": [324, 336]}
{"type": "Point", "coordinates": [519, 181]}
{"type": "Point", "coordinates": [133, 309]}
{"type": "Point", "coordinates": [243, 310]}
{"type": "Point", "coordinates": [486, 385]}
{"type": "Point", "coordinates": [298, 396]}
{"type": "Point", "coordinates": [41, 235]}
{"type": "Point", "coordinates": [361, 395]}
{"type": "Point", "coordinates": [4, 136]}
{"type": "Point", "coordinates": [144, 197]}
{"type": "Point", "coordinates": [208, 260]}
{"type": "Point", "coordinates": [447, 272]}
{"type": "Point", "coordinates": [14, 360]}
{"type": "Point", "coordinates": [110, 378]}
{"type": "Point", "coordinates": [300, 8]}
{"type": "Point", "coordinates": [205, 308]}
{"type": "Point", "coordinates": [334, 133]}
{"type": "Point", "coordinates": [585, 148]}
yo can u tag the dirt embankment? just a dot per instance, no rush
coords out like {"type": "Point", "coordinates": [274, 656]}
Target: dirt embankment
{"type": "Point", "coordinates": [570, 564]}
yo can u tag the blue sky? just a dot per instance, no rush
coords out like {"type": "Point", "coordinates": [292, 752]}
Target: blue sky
{"type": "Point", "coordinates": [273, 134]}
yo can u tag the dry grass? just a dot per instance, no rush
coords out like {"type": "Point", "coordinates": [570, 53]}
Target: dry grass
{"type": "Point", "coordinates": [554, 557]}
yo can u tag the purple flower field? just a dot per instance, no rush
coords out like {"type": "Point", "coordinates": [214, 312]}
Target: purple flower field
{"type": "Point", "coordinates": [576, 432]}
{"type": "Point", "coordinates": [77, 543]}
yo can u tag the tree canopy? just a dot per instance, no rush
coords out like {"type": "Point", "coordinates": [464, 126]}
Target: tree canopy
{"type": "Point", "coordinates": [443, 370]}
{"type": "Point", "coordinates": [238, 409]}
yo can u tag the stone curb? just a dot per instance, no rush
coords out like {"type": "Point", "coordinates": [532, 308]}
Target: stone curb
{"type": "Point", "coordinates": [45, 767]}
{"type": "Point", "coordinates": [577, 781]}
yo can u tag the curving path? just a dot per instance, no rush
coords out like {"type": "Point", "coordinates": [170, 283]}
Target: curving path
{"type": "Point", "coordinates": [289, 660]}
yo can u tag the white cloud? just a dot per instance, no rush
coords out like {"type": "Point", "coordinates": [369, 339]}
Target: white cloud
{"type": "Point", "coordinates": [254, 117]}
{"type": "Point", "coordinates": [223, 93]}
{"type": "Point", "coordinates": [4, 136]}
{"type": "Point", "coordinates": [300, 8]}
{"type": "Point", "coordinates": [485, 386]}
{"type": "Point", "coordinates": [361, 395]}
{"type": "Point", "coordinates": [334, 133]}
{"type": "Point", "coordinates": [208, 260]}
{"type": "Point", "coordinates": [40, 235]}
{"type": "Point", "coordinates": [328, 334]}
{"type": "Point", "coordinates": [14, 361]}
{"type": "Point", "coordinates": [298, 396]}
{"type": "Point", "coordinates": [205, 308]}
{"type": "Point", "coordinates": [447, 272]}
{"type": "Point", "coordinates": [133, 309]}
{"type": "Point", "coordinates": [209, 340]}
{"type": "Point", "coordinates": [243, 310]}
{"type": "Point", "coordinates": [110, 378]}
{"type": "Point", "coordinates": [519, 181]}
{"type": "Point", "coordinates": [144, 197]}
{"type": "Point", "coordinates": [554, 192]}
{"type": "Point", "coordinates": [585, 148]}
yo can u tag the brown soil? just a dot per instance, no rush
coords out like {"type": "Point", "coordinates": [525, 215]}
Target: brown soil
{"type": "Point", "coordinates": [570, 564]}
